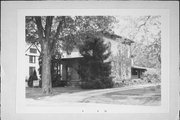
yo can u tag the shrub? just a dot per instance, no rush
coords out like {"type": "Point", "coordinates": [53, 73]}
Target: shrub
{"type": "Point", "coordinates": [40, 83]}
{"type": "Point", "coordinates": [32, 78]}
{"type": "Point", "coordinates": [152, 76]}
{"type": "Point", "coordinates": [108, 83]}
{"type": "Point", "coordinates": [57, 82]}
{"type": "Point", "coordinates": [92, 84]}
{"type": "Point", "coordinates": [97, 84]}
{"type": "Point", "coordinates": [95, 70]}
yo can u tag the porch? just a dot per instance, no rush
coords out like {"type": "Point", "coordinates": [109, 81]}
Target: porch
{"type": "Point", "coordinates": [65, 72]}
{"type": "Point", "coordinates": [137, 72]}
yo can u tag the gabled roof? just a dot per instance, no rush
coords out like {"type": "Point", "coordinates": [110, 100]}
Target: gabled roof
{"type": "Point", "coordinates": [33, 44]}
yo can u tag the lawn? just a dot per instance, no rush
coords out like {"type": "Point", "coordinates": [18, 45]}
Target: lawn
{"type": "Point", "coordinates": [150, 96]}
{"type": "Point", "coordinates": [142, 96]}
{"type": "Point", "coordinates": [36, 93]}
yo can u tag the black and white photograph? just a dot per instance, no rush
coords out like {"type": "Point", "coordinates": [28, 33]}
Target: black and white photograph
{"type": "Point", "coordinates": [93, 59]}
{"type": "Point", "coordinates": [90, 60]}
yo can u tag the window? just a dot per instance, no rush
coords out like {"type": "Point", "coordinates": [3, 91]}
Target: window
{"type": "Point", "coordinates": [32, 59]}
{"type": "Point", "coordinates": [31, 70]}
{"type": "Point", "coordinates": [33, 50]}
{"type": "Point", "coordinates": [133, 71]}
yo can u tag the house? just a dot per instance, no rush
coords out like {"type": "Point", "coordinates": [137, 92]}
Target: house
{"type": "Point", "coordinates": [32, 53]}
{"type": "Point", "coordinates": [66, 68]}
{"type": "Point", "coordinates": [137, 71]}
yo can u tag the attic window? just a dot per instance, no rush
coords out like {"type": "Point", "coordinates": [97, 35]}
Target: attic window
{"type": "Point", "coordinates": [33, 50]}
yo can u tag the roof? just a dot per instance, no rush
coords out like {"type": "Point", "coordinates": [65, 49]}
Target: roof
{"type": "Point", "coordinates": [74, 54]}
{"type": "Point", "coordinates": [110, 35]}
{"type": "Point", "coordinates": [127, 41]}
{"type": "Point", "coordinates": [35, 46]}
{"type": "Point", "coordinates": [110, 38]}
{"type": "Point", "coordinates": [114, 37]}
{"type": "Point", "coordinates": [143, 68]}
{"type": "Point", "coordinates": [139, 67]}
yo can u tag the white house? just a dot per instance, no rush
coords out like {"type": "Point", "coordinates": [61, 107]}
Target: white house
{"type": "Point", "coordinates": [32, 53]}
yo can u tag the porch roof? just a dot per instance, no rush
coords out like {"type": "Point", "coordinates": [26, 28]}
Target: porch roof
{"type": "Point", "coordinates": [74, 54]}
{"type": "Point", "coordinates": [139, 67]}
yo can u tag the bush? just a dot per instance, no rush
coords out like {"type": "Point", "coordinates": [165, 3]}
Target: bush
{"type": "Point", "coordinates": [152, 76]}
{"type": "Point", "coordinates": [32, 78]}
{"type": "Point", "coordinates": [57, 82]}
{"type": "Point", "coordinates": [108, 83]}
{"type": "Point", "coordinates": [97, 84]}
{"type": "Point", "coordinates": [40, 83]}
{"type": "Point", "coordinates": [93, 84]}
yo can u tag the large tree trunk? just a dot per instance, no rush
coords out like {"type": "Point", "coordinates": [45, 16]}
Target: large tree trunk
{"type": "Point", "coordinates": [46, 69]}
{"type": "Point", "coordinates": [47, 48]}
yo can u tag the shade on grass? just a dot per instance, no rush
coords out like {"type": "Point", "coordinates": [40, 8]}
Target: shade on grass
{"type": "Point", "coordinates": [143, 96]}
{"type": "Point", "coordinates": [139, 96]}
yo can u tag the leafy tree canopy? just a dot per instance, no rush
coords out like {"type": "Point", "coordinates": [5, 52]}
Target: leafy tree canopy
{"type": "Point", "coordinates": [67, 31]}
{"type": "Point", "coordinates": [146, 32]}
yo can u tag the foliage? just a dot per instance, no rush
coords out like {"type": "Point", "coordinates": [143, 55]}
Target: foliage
{"type": "Point", "coordinates": [146, 32]}
{"type": "Point", "coordinates": [152, 76]}
{"type": "Point", "coordinates": [57, 33]}
{"type": "Point", "coordinates": [121, 63]}
{"type": "Point", "coordinates": [67, 31]}
{"type": "Point", "coordinates": [95, 71]}
{"type": "Point", "coordinates": [32, 78]}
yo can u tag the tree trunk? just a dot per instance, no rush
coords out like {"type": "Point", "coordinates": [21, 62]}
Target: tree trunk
{"type": "Point", "coordinates": [46, 69]}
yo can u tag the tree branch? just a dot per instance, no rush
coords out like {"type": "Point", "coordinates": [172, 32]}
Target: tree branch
{"type": "Point", "coordinates": [59, 29]}
{"type": "Point", "coordinates": [144, 23]}
{"type": "Point", "coordinates": [48, 26]}
{"type": "Point", "coordinates": [39, 26]}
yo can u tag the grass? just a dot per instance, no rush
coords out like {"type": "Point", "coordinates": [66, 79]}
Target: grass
{"type": "Point", "coordinates": [143, 96]}
{"type": "Point", "coordinates": [36, 93]}
{"type": "Point", "coordinates": [139, 96]}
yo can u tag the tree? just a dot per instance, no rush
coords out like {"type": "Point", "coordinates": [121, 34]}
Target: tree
{"type": "Point", "coordinates": [95, 70]}
{"type": "Point", "coordinates": [55, 33]}
{"type": "Point", "coordinates": [146, 32]}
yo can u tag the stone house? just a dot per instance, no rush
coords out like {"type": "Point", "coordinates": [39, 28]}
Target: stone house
{"type": "Point", "coordinates": [122, 65]}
